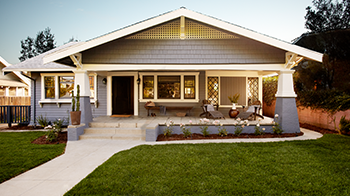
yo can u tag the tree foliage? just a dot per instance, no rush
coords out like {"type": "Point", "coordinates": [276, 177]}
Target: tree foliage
{"type": "Point", "coordinates": [328, 15]}
{"type": "Point", "coordinates": [43, 42]}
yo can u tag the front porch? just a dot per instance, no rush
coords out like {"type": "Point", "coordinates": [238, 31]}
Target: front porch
{"type": "Point", "coordinates": [148, 128]}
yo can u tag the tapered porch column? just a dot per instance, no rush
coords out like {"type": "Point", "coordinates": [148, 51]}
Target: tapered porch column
{"type": "Point", "coordinates": [82, 78]}
{"type": "Point", "coordinates": [285, 103]}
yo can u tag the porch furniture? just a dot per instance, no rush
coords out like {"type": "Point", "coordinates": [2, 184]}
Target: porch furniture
{"type": "Point", "coordinates": [252, 111]}
{"type": "Point", "coordinates": [151, 106]}
{"type": "Point", "coordinates": [209, 110]}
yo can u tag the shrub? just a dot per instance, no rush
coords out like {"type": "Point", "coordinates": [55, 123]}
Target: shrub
{"type": "Point", "coordinates": [221, 129]}
{"type": "Point", "coordinates": [344, 126]}
{"type": "Point", "coordinates": [277, 127]}
{"type": "Point", "coordinates": [169, 129]}
{"type": "Point", "coordinates": [43, 121]}
{"type": "Point", "coordinates": [239, 126]}
{"type": "Point", "coordinates": [259, 130]}
{"type": "Point", "coordinates": [204, 128]}
{"type": "Point", "coordinates": [186, 131]}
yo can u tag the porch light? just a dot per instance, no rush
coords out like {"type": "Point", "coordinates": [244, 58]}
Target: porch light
{"type": "Point", "coordinates": [104, 81]}
{"type": "Point", "coordinates": [138, 80]}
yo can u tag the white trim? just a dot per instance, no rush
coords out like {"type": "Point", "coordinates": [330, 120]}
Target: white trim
{"type": "Point", "coordinates": [109, 90]}
{"type": "Point", "coordinates": [185, 67]}
{"type": "Point", "coordinates": [182, 83]}
{"type": "Point", "coordinates": [189, 14]}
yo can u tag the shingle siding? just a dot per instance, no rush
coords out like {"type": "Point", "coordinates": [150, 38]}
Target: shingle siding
{"type": "Point", "coordinates": [211, 51]}
{"type": "Point", "coordinates": [52, 112]}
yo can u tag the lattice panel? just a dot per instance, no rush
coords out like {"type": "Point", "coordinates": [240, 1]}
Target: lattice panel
{"type": "Point", "coordinates": [193, 30]}
{"type": "Point", "coordinates": [169, 30]}
{"type": "Point", "coordinates": [253, 90]}
{"type": "Point", "coordinates": [213, 90]}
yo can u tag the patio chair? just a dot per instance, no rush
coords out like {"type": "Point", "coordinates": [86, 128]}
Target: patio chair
{"type": "Point", "coordinates": [209, 111]}
{"type": "Point", "coordinates": [252, 112]}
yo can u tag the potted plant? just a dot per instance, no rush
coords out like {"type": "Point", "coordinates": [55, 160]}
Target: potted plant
{"type": "Point", "coordinates": [234, 100]}
{"type": "Point", "coordinates": [75, 114]}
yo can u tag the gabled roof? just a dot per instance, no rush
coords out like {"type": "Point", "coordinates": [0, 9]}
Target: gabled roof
{"type": "Point", "coordinates": [17, 73]}
{"type": "Point", "coordinates": [59, 54]}
{"type": "Point", "coordinates": [36, 63]}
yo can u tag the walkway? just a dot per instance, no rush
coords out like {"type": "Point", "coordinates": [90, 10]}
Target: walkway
{"type": "Point", "coordinates": [81, 157]}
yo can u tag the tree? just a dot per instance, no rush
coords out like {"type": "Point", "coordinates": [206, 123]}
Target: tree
{"type": "Point", "coordinates": [328, 15]}
{"type": "Point", "coordinates": [28, 50]}
{"type": "Point", "coordinates": [44, 42]}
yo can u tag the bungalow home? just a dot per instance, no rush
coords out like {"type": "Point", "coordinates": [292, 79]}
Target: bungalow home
{"type": "Point", "coordinates": [13, 84]}
{"type": "Point", "coordinates": [175, 59]}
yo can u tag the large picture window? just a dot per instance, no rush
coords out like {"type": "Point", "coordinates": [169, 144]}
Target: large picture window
{"type": "Point", "coordinates": [169, 87]}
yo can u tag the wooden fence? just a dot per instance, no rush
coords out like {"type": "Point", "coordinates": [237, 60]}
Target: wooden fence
{"type": "Point", "coordinates": [8, 100]}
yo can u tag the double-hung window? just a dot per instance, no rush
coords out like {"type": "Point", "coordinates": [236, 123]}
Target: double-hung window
{"type": "Point", "coordinates": [169, 86]}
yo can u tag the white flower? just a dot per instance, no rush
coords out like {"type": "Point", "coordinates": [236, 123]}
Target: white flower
{"type": "Point", "coordinates": [235, 123]}
{"type": "Point", "coordinates": [242, 122]}
{"type": "Point", "coordinates": [167, 125]}
{"type": "Point", "coordinates": [246, 121]}
{"type": "Point", "coordinates": [276, 115]}
{"type": "Point", "coordinates": [221, 125]}
{"type": "Point", "coordinates": [258, 125]}
{"type": "Point", "coordinates": [263, 129]}
{"type": "Point", "coordinates": [238, 119]}
{"type": "Point", "coordinates": [190, 121]}
{"type": "Point", "coordinates": [247, 125]}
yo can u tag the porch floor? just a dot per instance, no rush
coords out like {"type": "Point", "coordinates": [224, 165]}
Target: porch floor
{"type": "Point", "coordinates": [162, 120]}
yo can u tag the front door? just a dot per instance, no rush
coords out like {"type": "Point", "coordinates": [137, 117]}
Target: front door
{"type": "Point", "coordinates": [123, 95]}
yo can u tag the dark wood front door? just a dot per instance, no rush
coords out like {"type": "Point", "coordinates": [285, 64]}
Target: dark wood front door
{"type": "Point", "coordinates": [123, 95]}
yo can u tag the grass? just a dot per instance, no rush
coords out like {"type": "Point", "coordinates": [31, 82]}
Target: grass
{"type": "Point", "coordinates": [317, 167]}
{"type": "Point", "coordinates": [18, 154]}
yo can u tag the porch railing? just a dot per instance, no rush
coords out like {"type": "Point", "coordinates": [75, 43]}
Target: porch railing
{"type": "Point", "coordinates": [14, 114]}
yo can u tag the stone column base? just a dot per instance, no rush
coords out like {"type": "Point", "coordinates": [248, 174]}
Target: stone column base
{"type": "Point", "coordinates": [286, 109]}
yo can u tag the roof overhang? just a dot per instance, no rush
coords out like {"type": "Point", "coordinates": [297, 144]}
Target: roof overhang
{"type": "Point", "coordinates": [300, 51]}
{"type": "Point", "coordinates": [17, 72]}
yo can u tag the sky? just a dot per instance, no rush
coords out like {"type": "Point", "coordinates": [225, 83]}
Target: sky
{"type": "Point", "coordinates": [87, 19]}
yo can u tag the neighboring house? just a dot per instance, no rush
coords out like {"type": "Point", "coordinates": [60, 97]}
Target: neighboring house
{"type": "Point", "coordinates": [13, 84]}
{"type": "Point", "coordinates": [175, 59]}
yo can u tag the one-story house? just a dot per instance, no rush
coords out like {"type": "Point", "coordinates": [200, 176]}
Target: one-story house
{"type": "Point", "coordinates": [13, 84]}
{"type": "Point", "coordinates": [178, 58]}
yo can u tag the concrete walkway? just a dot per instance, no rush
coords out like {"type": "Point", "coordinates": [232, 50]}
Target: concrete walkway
{"type": "Point", "coordinates": [81, 157]}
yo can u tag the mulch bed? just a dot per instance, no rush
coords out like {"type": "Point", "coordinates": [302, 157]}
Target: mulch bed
{"type": "Point", "coordinates": [196, 136]}
{"type": "Point", "coordinates": [61, 139]}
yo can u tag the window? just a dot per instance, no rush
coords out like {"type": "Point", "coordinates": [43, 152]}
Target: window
{"type": "Point", "coordinates": [190, 82]}
{"type": "Point", "coordinates": [148, 87]}
{"type": "Point", "coordinates": [169, 87]}
{"type": "Point", "coordinates": [49, 87]}
{"type": "Point", "coordinates": [66, 86]}
{"type": "Point", "coordinates": [58, 87]}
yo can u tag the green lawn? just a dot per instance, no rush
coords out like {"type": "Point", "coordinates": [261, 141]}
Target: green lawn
{"type": "Point", "coordinates": [18, 154]}
{"type": "Point", "coordinates": [318, 167]}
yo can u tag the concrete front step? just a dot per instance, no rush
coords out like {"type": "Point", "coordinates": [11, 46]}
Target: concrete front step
{"type": "Point", "coordinates": [116, 131]}
{"type": "Point", "coordinates": [113, 137]}
{"type": "Point", "coordinates": [115, 125]}
{"type": "Point", "coordinates": [129, 131]}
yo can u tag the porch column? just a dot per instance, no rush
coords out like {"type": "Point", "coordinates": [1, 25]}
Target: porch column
{"type": "Point", "coordinates": [82, 78]}
{"type": "Point", "coordinates": [285, 103]}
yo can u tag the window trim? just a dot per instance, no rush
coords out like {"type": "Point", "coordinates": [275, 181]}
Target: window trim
{"type": "Point", "coordinates": [182, 88]}
{"type": "Point", "coordinates": [57, 100]}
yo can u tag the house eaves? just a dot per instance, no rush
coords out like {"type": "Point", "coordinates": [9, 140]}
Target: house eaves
{"type": "Point", "coordinates": [17, 73]}
{"type": "Point", "coordinates": [36, 64]}
{"type": "Point", "coordinates": [309, 54]}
